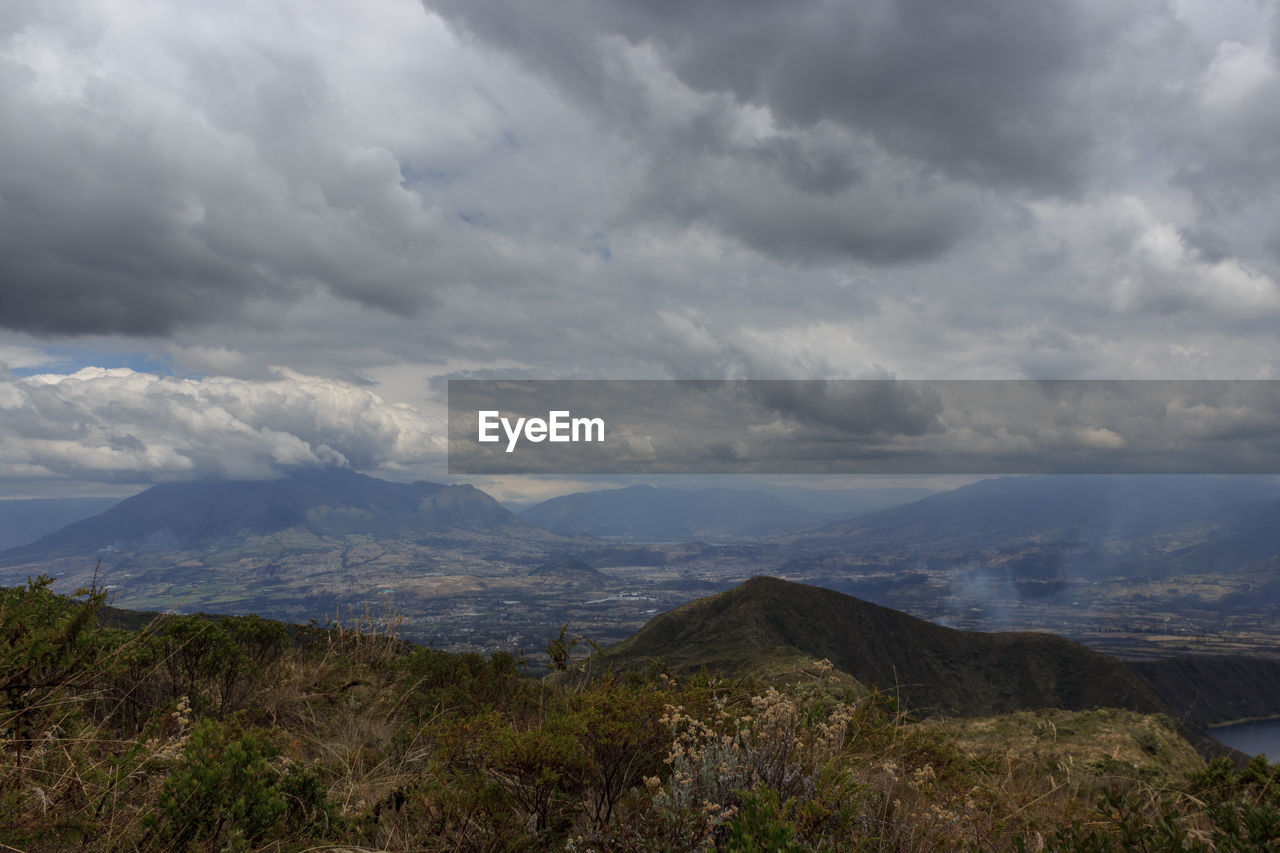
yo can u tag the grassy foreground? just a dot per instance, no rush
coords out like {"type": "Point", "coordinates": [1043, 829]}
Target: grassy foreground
{"type": "Point", "coordinates": [197, 733]}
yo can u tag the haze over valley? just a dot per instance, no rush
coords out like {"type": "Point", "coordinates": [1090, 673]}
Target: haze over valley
{"type": "Point", "coordinates": [1137, 566]}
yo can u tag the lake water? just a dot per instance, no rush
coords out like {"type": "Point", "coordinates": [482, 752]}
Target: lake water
{"type": "Point", "coordinates": [1252, 738]}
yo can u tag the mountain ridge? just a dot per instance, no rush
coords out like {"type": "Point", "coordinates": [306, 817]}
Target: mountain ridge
{"type": "Point", "coordinates": [1077, 508]}
{"type": "Point", "coordinates": [930, 667]}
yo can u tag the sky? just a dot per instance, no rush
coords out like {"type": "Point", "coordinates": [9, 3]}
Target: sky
{"type": "Point", "coordinates": [239, 237]}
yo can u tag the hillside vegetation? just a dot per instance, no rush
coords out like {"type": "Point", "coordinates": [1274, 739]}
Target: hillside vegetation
{"type": "Point", "coordinates": [235, 733]}
{"type": "Point", "coordinates": [1214, 689]}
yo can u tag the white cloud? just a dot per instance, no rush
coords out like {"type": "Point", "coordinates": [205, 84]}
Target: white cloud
{"type": "Point", "coordinates": [16, 357]}
{"type": "Point", "coordinates": [121, 424]}
{"type": "Point", "coordinates": [1236, 74]}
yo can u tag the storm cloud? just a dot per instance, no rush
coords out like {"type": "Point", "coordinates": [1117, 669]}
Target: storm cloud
{"type": "Point", "coordinates": [164, 167]}
{"type": "Point", "coordinates": [995, 91]}
{"type": "Point", "coordinates": [390, 194]}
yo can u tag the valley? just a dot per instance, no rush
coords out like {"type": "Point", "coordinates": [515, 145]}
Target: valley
{"type": "Point", "coordinates": [1137, 569]}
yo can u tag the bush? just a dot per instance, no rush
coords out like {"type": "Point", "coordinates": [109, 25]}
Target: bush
{"type": "Point", "coordinates": [228, 795]}
{"type": "Point", "coordinates": [761, 824]}
{"type": "Point", "coordinates": [48, 645]}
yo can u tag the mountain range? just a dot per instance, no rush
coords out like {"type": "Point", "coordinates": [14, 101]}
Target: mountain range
{"type": "Point", "coordinates": [1227, 519]}
{"type": "Point", "coordinates": [1075, 509]}
{"type": "Point", "coordinates": [1137, 565]}
{"type": "Point", "coordinates": [1063, 538]}
{"type": "Point", "coordinates": [301, 546]}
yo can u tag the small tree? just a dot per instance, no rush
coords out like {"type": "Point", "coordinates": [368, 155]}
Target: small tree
{"type": "Point", "coordinates": [560, 650]}
{"type": "Point", "coordinates": [47, 644]}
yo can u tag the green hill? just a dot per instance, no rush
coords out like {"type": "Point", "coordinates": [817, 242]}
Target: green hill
{"type": "Point", "coordinates": [768, 625]}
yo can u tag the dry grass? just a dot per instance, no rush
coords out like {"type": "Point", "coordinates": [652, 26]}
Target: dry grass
{"type": "Point", "coordinates": [418, 750]}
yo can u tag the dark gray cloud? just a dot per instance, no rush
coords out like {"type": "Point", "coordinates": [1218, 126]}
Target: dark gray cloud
{"type": "Point", "coordinates": [793, 179]}
{"type": "Point", "coordinates": [1209, 245]}
{"type": "Point", "coordinates": [855, 407]}
{"type": "Point", "coordinates": [138, 205]}
{"type": "Point", "coordinates": [995, 92]}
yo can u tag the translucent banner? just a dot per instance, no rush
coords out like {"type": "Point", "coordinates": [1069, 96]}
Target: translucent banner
{"type": "Point", "coordinates": [864, 427]}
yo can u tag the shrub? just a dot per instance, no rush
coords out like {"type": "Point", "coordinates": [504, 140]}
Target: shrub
{"type": "Point", "coordinates": [227, 794]}
{"type": "Point", "coordinates": [761, 824]}
{"type": "Point", "coordinates": [48, 647]}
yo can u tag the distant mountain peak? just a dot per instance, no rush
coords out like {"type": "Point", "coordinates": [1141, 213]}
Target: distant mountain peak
{"type": "Point", "coordinates": [194, 514]}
